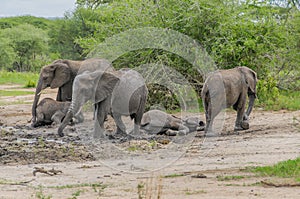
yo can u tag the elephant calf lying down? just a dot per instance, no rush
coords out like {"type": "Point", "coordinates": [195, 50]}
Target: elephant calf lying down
{"type": "Point", "coordinates": [159, 122]}
{"type": "Point", "coordinates": [50, 110]}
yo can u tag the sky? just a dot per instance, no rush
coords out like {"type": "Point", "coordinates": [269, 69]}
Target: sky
{"type": "Point", "coordinates": [38, 8]}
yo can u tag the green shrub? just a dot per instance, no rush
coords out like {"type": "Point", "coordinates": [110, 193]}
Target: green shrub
{"type": "Point", "coordinates": [267, 91]}
{"type": "Point", "coordinates": [30, 84]}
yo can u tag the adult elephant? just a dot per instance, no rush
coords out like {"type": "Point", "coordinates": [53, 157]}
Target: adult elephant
{"type": "Point", "coordinates": [122, 92]}
{"type": "Point", "coordinates": [226, 88]}
{"type": "Point", "coordinates": [60, 74]}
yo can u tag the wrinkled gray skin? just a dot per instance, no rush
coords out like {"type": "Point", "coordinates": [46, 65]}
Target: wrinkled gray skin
{"type": "Point", "coordinates": [159, 122]}
{"type": "Point", "coordinates": [118, 93]}
{"type": "Point", "coordinates": [50, 111]}
{"type": "Point", "coordinates": [60, 74]}
{"type": "Point", "coordinates": [229, 88]}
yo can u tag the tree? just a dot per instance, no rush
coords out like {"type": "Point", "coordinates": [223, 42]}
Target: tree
{"type": "Point", "coordinates": [28, 44]}
{"type": "Point", "coordinates": [7, 53]}
{"type": "Point", "coordinates": [91, 4]}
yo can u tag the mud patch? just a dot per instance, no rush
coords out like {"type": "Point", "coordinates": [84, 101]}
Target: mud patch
{"type": "Point", "coordinates": [19, 147]}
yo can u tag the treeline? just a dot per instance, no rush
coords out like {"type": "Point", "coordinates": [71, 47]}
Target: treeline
{"type": "Point", "coordinates": [263, 35]}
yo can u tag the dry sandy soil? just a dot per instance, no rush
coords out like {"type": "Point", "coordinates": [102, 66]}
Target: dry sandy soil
{"type": "Point", "coordinates": [37, 163]}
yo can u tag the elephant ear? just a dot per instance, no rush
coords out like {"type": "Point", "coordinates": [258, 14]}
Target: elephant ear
{"type": "Point", "coordinates": [107, 83]}
{"type": "Point", "coordinates": [250, 79]}
{"type": "Point", "coordinates": [62, 74]}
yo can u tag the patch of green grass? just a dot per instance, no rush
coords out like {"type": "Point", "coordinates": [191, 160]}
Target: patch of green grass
{"type": "Point", "coordinates": [194, 192]}
{"type": "Point", "coordinates": [40, 194]}
{"type": "Point", "coordinates": [71, 186]}
{"type": "Point", "coordinates": [141, 190]}
{"type": "Point", "coordinates": [15, 92]}
{"type": "Point", "coordinates": [76, 194]}
{"type": "Point", "coordinates": [227, 178]}
{"type": "Point", "coordinates": [232, 185]}
{"type": "Point", "coordinates": [2, 103]}
{"type": "Point", "coordinates": [8, 182]}
{"type": "Point", "coordinates": [133, 148]}
{"type": "Point", "coordinates": [23, 78]}
{"type": "Point", "coordinates": [174, 175]}
{"type": "Point", "coordinates": [285, 169]}
{"type": "Point", "coordinates": [289, 100]}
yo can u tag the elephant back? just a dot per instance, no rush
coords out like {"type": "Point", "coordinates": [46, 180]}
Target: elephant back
{"type": "Point", "coordinates": [124, 95]}
{"type": "Point", "coordinates": [95, 64]}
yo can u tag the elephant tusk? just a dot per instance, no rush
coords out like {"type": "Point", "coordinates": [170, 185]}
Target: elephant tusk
{"type": "Point", "coordinates": [39, 93]}
{"type": "Point", "coordinates": [28, 121]}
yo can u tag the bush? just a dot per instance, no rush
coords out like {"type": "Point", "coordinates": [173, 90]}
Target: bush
{"type": "Point", "coordinates": [30, 84]}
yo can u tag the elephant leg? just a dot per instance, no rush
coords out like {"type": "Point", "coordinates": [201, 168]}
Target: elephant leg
{"type": "Point", "coordinates": [39, 119]}
{"type": "Point", "coordinates": [207, 114]}
{"type": "Point", "coordinates": [57, 117]}
{"type": "Point", "coordinates": [138, 117]}
{"type": "Point", "coordinates": [213, 111]}
{"type": "Point", "coordinates": [64, 123]}
{"type": "Point", "coordinates": [101, 113]}
{"type": "Point", "coordinates": [137, 123]}
{"type": "Point", "coordinates": [183, 130]}
{"type": "Point", "coordinates": [208, 121]}
{"type": "Point", "coordinates": [79, 117]}
{"type": "Point", "coordinates": [240, 107]}
{"type": "Point", "coordinates": [121, 128]}
{"type": "Point", "coordinates": [209, 118]}
{"type": "Point", "coordinates": [250, 106]}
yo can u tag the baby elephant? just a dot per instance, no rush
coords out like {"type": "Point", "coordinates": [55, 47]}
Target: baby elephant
{"type": "Point", "coordinates": [229, 88]}
{"type": "Point", "coordinates": [159, 122]}
{"type": "Point", "coordinates": [50, 110]}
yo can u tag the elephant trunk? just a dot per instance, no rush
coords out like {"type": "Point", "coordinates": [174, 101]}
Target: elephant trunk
{"type": "Point", "coordinates": [36, 98]}
{"type": "Point", "coordinates": [64, 123]}
{"type": "Point", "coordinates": [250, 106]}
{"type": "Point", "coordinates": [73, 110]}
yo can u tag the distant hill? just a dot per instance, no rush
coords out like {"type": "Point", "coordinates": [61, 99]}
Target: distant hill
{"type": "Point", "coordinates": [39, 22]}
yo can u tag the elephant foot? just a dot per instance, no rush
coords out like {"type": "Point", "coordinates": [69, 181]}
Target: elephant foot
{"type": "Point", "coordinates": [99, 135]}
{"type": "Point", "coordinates": [211, 134]}
{"type": "Point", "coordinates": [238, 128]}
{"type": "Point", "coordinates": [120, 133]}
{"type": "Point", "coordinates": [200, 128]}
{"type": "Point", "coordinates": [61, 134]}
{"type": "Point", "coordinates": [243, 126]}
{"type": "Point", "coordinates": [170, 132]}
{"type": "Point", "coordinates": [119, 139]}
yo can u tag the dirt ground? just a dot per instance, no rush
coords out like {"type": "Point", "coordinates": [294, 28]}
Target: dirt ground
{"type": "Point", "coordinates": [37, 163]}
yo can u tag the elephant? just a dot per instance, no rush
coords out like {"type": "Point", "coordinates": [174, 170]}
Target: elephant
{"type": "Point", "coordinates": [119, 93]}
{"type": "Point", "coordinates": [159, 122]}
{"type": "Point", "coordinates": [229, 88]}
{"type": "Point", "coordinates": [50, 110]}
{"type": "Point", "coordinates": [60, 74]}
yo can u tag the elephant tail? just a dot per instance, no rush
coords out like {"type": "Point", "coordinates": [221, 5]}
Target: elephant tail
{"type": "Point", "coordinates": [142, 103]}
{"type": "Point", "coordinates": [205, 96]}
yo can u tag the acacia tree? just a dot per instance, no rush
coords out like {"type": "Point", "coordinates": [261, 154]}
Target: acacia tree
{"type": "Point", "coordinates": [29, 45]}
{"type": "Point", "coordinates": [7, 53]}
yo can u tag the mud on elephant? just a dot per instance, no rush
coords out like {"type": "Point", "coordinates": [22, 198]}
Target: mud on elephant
{"type": "Point", "coordinates": [119, 93]}
{"type": "Point", "coordinates": [229, 88]}
{"type": "Point", "coordinates": [60, 74]}
{"type": "Point", "coordinates": [50, 111]}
